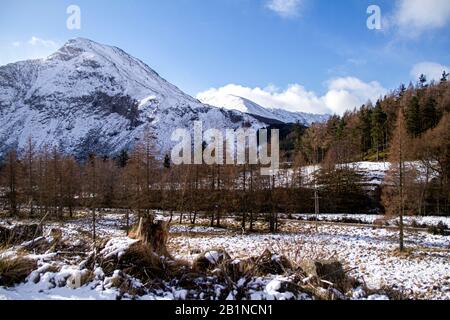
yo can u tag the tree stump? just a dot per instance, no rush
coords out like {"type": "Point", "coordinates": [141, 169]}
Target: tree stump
{"type": "Point", "coordinates": [155, 234]}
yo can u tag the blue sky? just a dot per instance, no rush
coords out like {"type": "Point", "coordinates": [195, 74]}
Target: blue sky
{"type": "Point", "coordinates": [307, 55]}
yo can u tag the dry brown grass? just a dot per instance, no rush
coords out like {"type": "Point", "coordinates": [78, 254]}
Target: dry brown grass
{"type": "Point", "coordinates": [142, 262]}
{"type": "Point", "coordinates": [15, 270]}
{"type": "Point", "coordinates": [406, 253]}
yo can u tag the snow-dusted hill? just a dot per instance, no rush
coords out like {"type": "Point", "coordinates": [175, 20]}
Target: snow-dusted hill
{"type": "Point", "coordinates": [233, 102]}
{"type": "Point", "coordinates": [88, 97]}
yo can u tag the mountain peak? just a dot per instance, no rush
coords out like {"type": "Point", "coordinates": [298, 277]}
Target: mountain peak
{"type": "Point", "coordinates": [85, 43]}
{"type": "Point", "coordinates": [113, 68]}
{"type": "Point", "coordinates": [80, 40]}
{"type": "Point", "coordinates": [93, 98]}
{"type": "Point", "coordinates": [76, 47]}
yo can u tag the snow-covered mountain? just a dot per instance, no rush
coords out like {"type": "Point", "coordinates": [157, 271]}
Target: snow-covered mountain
{"type": "Point", "coordinates": [88, 97]}
{"type": "Point", "coordinates": [233, 102]}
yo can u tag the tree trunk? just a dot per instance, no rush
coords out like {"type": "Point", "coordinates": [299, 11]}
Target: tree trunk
{"type": "Point", "coordinates": [218, 219]}
{"type": "Point", "coordinates": [194, 218]}
{"type": "Point", "coordinates": [155, 234]}
{"type": "Point", "coordinates": [127, 217]}
{"type": "Point", "coordinates": [94, 235]}
{"type": "Point", "coordinates": [212, 218]}
{"type": "Point", "coordinates": [402, 202]}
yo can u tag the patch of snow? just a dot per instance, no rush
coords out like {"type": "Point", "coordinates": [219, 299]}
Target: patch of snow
{"type": "Point", "coordinates": [213, 256]}
{"type": "Point", "coordinates": [377, 297]}
{"type": "Point", "coordinates": [116, 247]}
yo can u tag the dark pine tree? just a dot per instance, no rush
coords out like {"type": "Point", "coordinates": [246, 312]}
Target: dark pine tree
{"type": "Point", "coordinates": [429, 114]}
{"type": "Point", "coordinates": [444, 76]}
{"type": "Point", "coordinates": [413, 117]}
{"type": "Point", "coordinates": [365, 118]}
{"type": "Point", "coordinates": [379, 119]}
{"type": "Point", "coordinates": [167, 161]}
{"type": "Point", "coordinates": [401, 90]}
{"type": "Point", "coordinates": [423, 81]}
{"type": "Point", "coordinates": [122, 159]}
{"type": "Point", "coordinates": [340, 129]}
{"type": "Point", "coordinates": [298, 131]}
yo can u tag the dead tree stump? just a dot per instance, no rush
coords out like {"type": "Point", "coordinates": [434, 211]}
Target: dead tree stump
{"type": "Point", "coordinates": [154, 234]}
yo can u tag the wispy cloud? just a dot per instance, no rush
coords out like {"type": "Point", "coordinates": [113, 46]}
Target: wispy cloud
{"type": "Point", "coordinates": [35, 41]}
{"type": "Point", "coordinates": [343, 94]}
{"type": "Point", "coordinates": [34, 48]}
{"type": "Point", "coordinates": [285, 8]}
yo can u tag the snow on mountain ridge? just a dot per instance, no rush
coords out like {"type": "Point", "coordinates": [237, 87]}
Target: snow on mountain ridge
{"type": "Point", "coordinates": [92, 98]}
{"type": "Point", "coordinates": [83, 57]}
{"type": "Point", "coordinates": [233, 102]}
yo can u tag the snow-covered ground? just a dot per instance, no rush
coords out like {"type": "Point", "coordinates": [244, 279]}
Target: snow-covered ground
{"type": "Point", "coordinates": [371, 218]}
{"type": "Point", "coordinates": [423, 274]}
{"type": "Point", "coordinates": [373, 172]}
{"type": "Point", "coordinates": [369, 254]}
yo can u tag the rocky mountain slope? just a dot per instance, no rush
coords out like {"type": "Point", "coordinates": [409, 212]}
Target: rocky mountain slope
{"type": "Point", "coordinates": [92, 98]}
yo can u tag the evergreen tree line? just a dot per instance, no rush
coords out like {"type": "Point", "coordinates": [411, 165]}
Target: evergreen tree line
{"type": "Point", "coordinates": [369, 134]}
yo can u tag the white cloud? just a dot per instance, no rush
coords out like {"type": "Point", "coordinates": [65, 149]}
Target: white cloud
{"type": "Point", "coordinates": [285, 8]}
{"type": "Point", "coordinates": [343, 94]}
{"type": "Point", "coordinates": [350, 92]}
{"type": "Point", "coordinates": [34, 48]}
{"type": "Point", "coordinates": [35, 41]}
{"type": "Point", "coordinates": [294, 98]}
{"type": "Point", "coordinates": [432, 70]}
{"type": "Point", "coordinates": [413, 17]}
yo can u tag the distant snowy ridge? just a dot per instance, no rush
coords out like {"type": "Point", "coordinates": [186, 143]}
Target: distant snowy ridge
{"type": "Point", "coordinates": [93, 98]}
{"type": "Point", "coordinates": [233, 102]}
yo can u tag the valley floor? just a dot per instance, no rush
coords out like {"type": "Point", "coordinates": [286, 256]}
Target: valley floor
{"type": "Point", "coordinates": [368, 254]}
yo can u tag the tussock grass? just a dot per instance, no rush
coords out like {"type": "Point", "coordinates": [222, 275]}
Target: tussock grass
{"type": "Point", "coordinates": [15, 270]}
{"type": "Point", "coordinates": [141, 262]}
